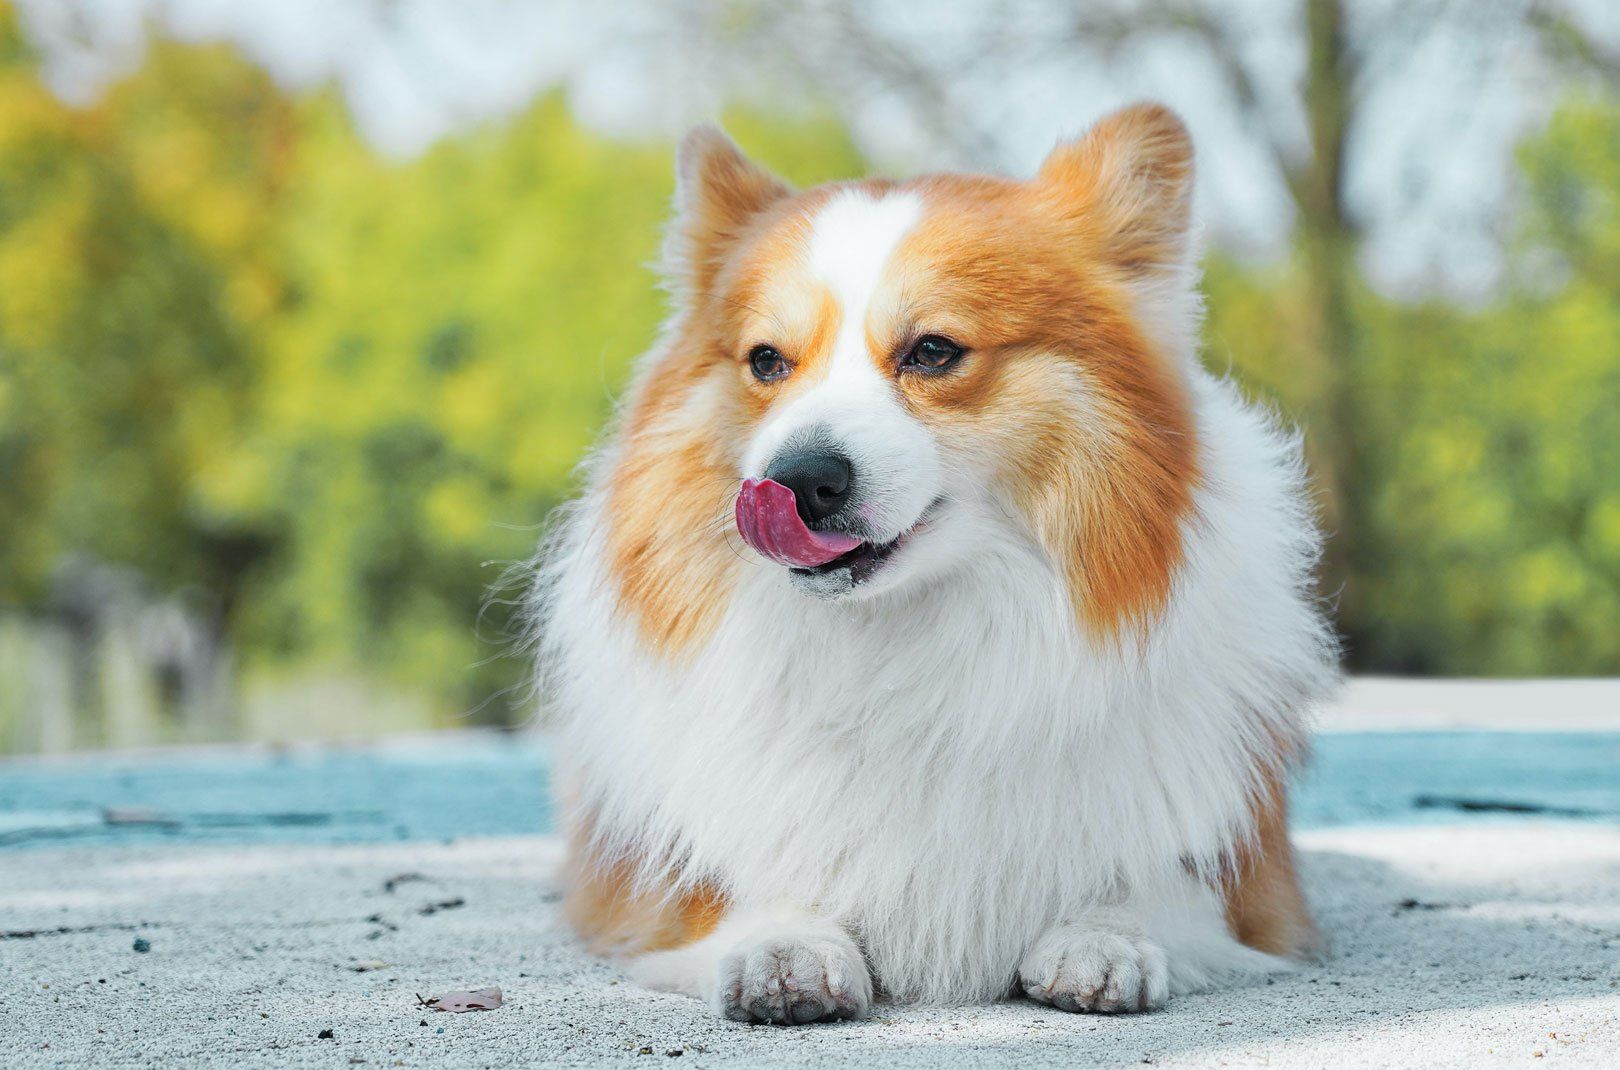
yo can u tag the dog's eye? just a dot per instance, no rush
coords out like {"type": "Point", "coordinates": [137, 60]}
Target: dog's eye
{"type": "Point", "coordinates": [932, 353]}
{"type": "Point", "coordinates": [767, 363]}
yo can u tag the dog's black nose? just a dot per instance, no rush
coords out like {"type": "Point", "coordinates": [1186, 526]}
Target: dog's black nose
{"type": "Point", "coordinates": [819, 478]}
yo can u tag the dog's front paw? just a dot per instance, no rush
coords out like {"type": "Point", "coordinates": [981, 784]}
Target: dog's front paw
{"type": "Point", "coordinates": [1100, 970]}
{"type": "Point", "coordinates": [793, 980]}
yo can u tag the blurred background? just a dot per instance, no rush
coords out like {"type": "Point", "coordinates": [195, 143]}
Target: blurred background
{"type": "Point", "coordinates": [308, 308]}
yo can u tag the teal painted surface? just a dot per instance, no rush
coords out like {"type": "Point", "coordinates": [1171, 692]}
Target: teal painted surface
{"type": "Point", "coordinates": [1379, 778]}
{"type": "Point", "coordinates": [498, 786]}
{"type": "Point", "coordinates": [479, 786]}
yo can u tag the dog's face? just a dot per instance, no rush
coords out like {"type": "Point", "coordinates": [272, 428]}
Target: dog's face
{"type": "Point", "coordinates": [875, 382]}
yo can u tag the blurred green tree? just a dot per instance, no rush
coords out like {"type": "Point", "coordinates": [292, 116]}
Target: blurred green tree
{"type": "Point", "coordinates": [1495, 439]}
{"type": "Point", "coordinates": [462, 325]}
{"type": "Point", "coordinates": [1490, 436]}
{"type": "Point", "coordinates": [131, 287]}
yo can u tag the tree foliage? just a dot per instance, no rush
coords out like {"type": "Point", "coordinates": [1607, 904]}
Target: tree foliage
{"type": "Point", "coordinates": [1497, 439]}
{"type": "Point", "coordinates": [1491, 435]}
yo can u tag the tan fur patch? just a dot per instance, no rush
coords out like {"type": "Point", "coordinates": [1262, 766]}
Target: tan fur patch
{"type": "Point", "coordinates": [1128, 186]}
{"type": "Point", "coordinates": [670, 531]}
{"type": "Point", "coordinates": [721, 194]}
{"type": "Point", "coordinates": [616, 911]}
{"type": "Point", "coordinates": [1265, 907]}
{"type": "Point", "coordinates": [669, 506]}
{"type": "Point", "coordinates": [1091, 426]}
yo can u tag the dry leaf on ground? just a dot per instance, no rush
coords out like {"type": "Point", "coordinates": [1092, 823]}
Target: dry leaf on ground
{"type": "Point", "coordinates": [484, 999]}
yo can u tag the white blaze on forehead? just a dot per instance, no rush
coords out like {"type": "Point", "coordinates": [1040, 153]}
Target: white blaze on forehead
{"type": "Point", "coordinates": [851, 404]}
{"type": "Point", "coordinates": [851, 241]}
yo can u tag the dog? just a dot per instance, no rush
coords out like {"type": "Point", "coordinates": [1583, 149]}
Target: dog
{"type": "Point", "coordinates": [932, 626]}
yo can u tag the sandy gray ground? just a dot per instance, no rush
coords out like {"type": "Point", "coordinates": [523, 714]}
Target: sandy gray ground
{"type": "Point", "coordinates": [1454, 947]}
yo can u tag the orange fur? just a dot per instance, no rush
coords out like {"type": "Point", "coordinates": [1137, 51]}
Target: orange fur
{"type": "Point", "coordinates": [616, 910]}
{"type": "Point", "coordinates": [1024, 276]}
{"type": "Point", "coordinates": [722, 194]}
{"type": "Point", "coordinates": [1127, 186]}
{"type": "Point", "coordinates": [1265, 908]}
{"type": "Point", "coordinates": [665, 548]}
{"type": "Point", "coordinates": [673, 555]}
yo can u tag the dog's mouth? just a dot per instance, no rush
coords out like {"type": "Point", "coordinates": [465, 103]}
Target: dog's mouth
{"type": "Point", "coordinates": [866, 559]}
{"type": "Point", "coordinates": [862, 561]}
{"type": "Point", "coordinates": [768, 520]}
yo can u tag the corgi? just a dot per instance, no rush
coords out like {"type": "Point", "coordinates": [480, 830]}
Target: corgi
{"type": "Point", "coordinates": [932, 626]}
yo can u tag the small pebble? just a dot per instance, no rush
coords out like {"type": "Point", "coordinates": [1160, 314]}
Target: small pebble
{"type": "Point", "coordinates": [142, 944]}
{"type": "Point", "coordinates": [325, 1034]}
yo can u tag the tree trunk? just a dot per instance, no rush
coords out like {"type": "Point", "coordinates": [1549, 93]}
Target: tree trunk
{"type": "Point", "coordinates": [1328, 243]}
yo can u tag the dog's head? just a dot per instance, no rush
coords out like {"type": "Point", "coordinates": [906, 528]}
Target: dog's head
{"type": "Point", "coordinates": [874, 382]}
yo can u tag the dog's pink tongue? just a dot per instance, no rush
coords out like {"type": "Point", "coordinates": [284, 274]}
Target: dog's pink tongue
{"type": "Point", "coordinates": [770, 523]}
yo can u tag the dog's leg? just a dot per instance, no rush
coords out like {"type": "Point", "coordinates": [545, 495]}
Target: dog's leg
{"type": "Point", "coordinates": [1135, 951]}
{"type": "Point", "coordinates": [1101, 961]}
{"type": "Point", "coordinates": [1264, 904]}
{"type": "Point", "coordinates": [787, 967]}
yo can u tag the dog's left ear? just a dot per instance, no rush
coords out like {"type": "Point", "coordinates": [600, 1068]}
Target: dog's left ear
{"type": "Point", "coordinates": [1127, 185]}
{"type": "Point", "coordinates": [719, 192]}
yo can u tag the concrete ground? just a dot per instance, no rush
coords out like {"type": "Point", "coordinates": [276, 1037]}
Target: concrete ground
{"type": "Point", "coordinates": [1471, 945]}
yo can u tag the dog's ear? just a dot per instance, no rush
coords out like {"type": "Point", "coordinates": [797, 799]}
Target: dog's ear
{"type": "Point", "coordinates": [1127, 185]}
{"type": "Point", "coordinates": [718, 193]}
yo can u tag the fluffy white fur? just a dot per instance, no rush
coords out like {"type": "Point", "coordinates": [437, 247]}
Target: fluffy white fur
{"type": "Point", "coordinates": [946, 774]}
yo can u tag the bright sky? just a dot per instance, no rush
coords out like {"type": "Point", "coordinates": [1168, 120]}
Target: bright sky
{"type": "Point", "coordinates": [1430, 171]}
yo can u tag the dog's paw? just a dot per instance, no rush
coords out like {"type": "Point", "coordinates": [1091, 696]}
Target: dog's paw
{"type": "Point", "coordinates": [793, 980]}
{"type": "Point", "coordinates": [1098, 970]}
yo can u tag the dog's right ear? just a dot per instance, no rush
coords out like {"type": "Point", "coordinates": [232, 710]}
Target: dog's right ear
{"type": "Point", "coordinates": [718, 193]}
